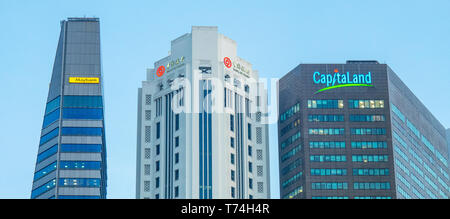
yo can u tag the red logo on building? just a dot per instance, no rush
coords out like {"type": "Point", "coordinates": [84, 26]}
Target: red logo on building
{"type": "Point", "coordinates": [227, 62]}
{"type": "Point", "coordinates": [161, 70]}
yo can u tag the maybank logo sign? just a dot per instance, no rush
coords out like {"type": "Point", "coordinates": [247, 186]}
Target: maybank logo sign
{"type": "Point", "coordinates": [83, 80]}
{"type": "Point", "coordinates": [339, 80]}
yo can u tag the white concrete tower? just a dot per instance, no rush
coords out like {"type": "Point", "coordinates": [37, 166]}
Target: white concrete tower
{"type": "Point", "coordinates": [202, 126]}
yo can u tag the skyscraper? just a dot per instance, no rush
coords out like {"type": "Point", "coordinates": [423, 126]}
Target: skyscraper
{"type": "Point", "coordinates": [201, 126]}
{"type": "Point", "coordinates": [71, 161]}
{"type": "Point", "coordinates": [355, 131]}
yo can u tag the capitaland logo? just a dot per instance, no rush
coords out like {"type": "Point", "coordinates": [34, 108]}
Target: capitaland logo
{"type": "Point", "coordinates": [339, 80]}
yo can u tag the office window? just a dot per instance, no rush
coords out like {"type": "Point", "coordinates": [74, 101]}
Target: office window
{"type": "Point", "coordinates": [327, 131]}
{"type": "Point", "coordinates": [367, 118]}
{"type": "Point", "coordinates": [232, 123]}
{"type": "Point", "coordinates": [177, 122]}
{"type": "Point", "coordinates": [249, 130]}
{"type": "Point", "coordinates": [158, 130]}
{"type": "Point", "coordinates": [44, 188]}
{"type": "Point", "coordinates": [177, 141]}
{"type": "Point", "coordinates": [232, 142]}
{"type": "Point", "coordinates": [326, 118]}
{"type": "Point", "coordinates": [250, 183]}
{"type": "Point", "coordinates": [157, 166]}
{"type": "Point", "coordinates": [370, 158]}
{"type": "Point", "coordinates": [290, 140]}
{"type": "Point", "coordinates": [177, 175]}
{"type": "Point", "coordinates": [158, 105]}
{"type": "Point", "coordinates": [250, 150]}
{"type": "Point", "coordinates": [370, 172]}
{"type": "Point", "coordinates": [330, 186]}
{"type": "Point", "coordinates": [147, 169]}
{"type": "Point", "coordinates": [368, 131]}
{"type": "Point", "coordinates": [233, 192]}
{"type": "Point", "coordinates": [325, 104]}
{"type": "Point", "coordinates": [328, 158]}
{"type": "Point", "coordinates": [233, 175]}
{"type": "Point", "coordinates": [177, 158]}
{"type": "Point", "coordinates": [157, 182]}
{"type": "Point", "coordinates": [250, 167]}
{"type": "Point", "coordinates": [248, 108]}
{"type": "Point", "coordinates": [371, 186]}
{"type": "Point", "coordinates": [366, 104]}
{"type": "Point", "coordinates": [369, 144]}
{"type": "Point", "coordinates": [232, 158]}
{"type": "Point", "coordinates": [176, 191]}
{"type": "Point", "coordinates": [328, 172]}
{"type": "Point", "coordinates": [45, 171]}
{"type": "Point", "coordinates": [158, 149]}
{"type": "Point", "coordinates": [327, 144]}
{"type": "Point", "coordinates": [290, 112]}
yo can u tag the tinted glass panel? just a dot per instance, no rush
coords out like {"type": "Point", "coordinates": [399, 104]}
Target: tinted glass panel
{"type": "Point", "coordinates": [44, 155]}
{"type": "Point", "coordinates": [49, 136]}
{"type": "Point", "coordinates": [81, 148]}
{"type": "Point", "coordinates": [83, 101]}
{"type": "Point", "coordinates": [48, 169]}
{"type": "Point", "coordinates": [50, 118]}
{"type": "Point", "coordinates": [87, 165]}
{"type": "Point", "coordinates": [52, 105]}
{"type": "Point", "coordinates": [82, 113]}
{"type": "Point", "coordinates": [72, 131]}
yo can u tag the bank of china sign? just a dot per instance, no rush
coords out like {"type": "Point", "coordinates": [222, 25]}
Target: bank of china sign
{"type": "Point", "coordinates": [339, 80]}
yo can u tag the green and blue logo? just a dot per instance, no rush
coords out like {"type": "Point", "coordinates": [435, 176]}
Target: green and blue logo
{"type": "Point", "coordinates": [338, 80]}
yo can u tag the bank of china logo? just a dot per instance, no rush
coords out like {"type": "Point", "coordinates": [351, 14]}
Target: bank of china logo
{"type": "Point", "coordinates": [227, 62]}
{"type": "Point", "coordinates": [161, 70]}
{"type": "Point", "coordinates": [339, 80]}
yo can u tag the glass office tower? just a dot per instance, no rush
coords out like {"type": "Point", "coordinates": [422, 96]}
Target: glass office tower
{"type": "Point", "coordinates": [71, 161]}
{"type": "Point", "coordinates": [355, 131]}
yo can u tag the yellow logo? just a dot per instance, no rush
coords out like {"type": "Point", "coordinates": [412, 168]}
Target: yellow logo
{"type": "Point", "coordinates": [79, 80]}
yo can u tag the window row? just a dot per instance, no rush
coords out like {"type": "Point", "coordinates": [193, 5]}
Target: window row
{"type": "Point", "coordinates": [65, 182]}
{"type": "Point", "coordinates": [369, 144]}
{"type": "Point", "coordinates": [370, 158]}
{"type": "Point", "coordinates": [329, 186]}
{"type": "Point", "coordinates": [326, 118]}
{"type": "Point", "coordinates": [290, 140]}
{"type": "Point", "coordinates": [328, 158]}
{"type": "Point", "coordinates": [290, 112]}
{"type": "Point", "coordinates": [371, 186]}
{"type": "Point", "coordinates": [78, 131]}
{"type": "Point", "coordinates": [328, 172]}
{"type": "Point", "coordinates": [370, 172]}
{"type": "Point", "coordinates": [44, 188]}
{"type": "Point", "coordinates": [325, 104]}
{"type": "Point", "coordinates": [368, 131]}
{"type": "Point", "coordinates": [366, 104]}
{"type": "Point", "coordinates": [291, 153]}
{"type": "Point", "coordinates": [83, 113]}
{"type": "Point", "coordinates": [292, 179]}
{"type": "Point", "coordinates": [289, 127]}
{"type": "Point", "coordinates": [367, 118]}
{"type": "Point", "coordinates": [327, 131]}
{"type": "Point", "coordinates": [83, 102]}
{"type": "Point", "coordinates": [327, 144]}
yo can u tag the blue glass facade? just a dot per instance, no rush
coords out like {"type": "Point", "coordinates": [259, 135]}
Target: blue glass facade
{"type": "Point", "coordinates": [73, 124]}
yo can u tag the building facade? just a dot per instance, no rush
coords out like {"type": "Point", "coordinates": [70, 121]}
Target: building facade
{"type": "Point", "coordinates": [355, 131]}
{"type": "Point", "coordinates": [71, 161]}
{"type": "Point", "coordinates": [201, 130]}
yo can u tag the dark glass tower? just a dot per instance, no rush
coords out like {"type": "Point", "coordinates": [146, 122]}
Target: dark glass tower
{"type": "Point", "coordinates": [71, 161]}
{"type": "Point", "coordinates": [356, 131]}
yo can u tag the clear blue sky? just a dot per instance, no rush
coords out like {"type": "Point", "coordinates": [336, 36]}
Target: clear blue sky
{"type": "Point", "coordinates": [412, 36]}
